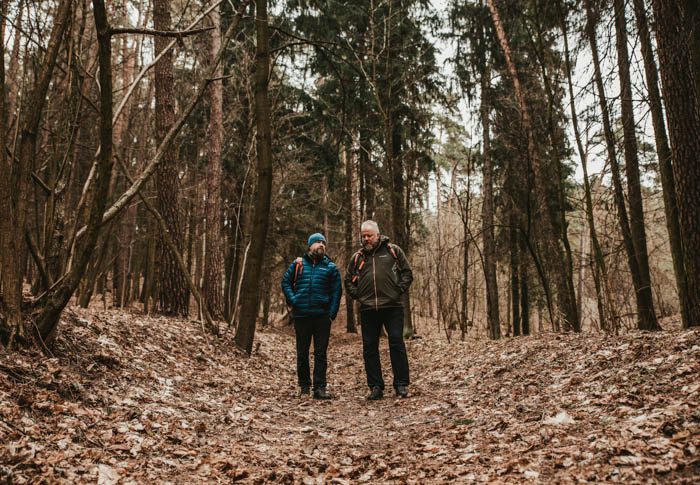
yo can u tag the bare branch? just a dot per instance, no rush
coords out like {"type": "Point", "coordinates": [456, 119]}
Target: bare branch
{"type": "Point", "coordinates": [179, 34]}
{"type": "Point", "coordinates": [131, 192]}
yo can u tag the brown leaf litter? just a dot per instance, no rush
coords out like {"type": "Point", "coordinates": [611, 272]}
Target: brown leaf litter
{"type": "Point", "coordinates": [128, 398]}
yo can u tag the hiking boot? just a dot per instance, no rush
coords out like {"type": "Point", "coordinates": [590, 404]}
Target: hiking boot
{"type": "Point", "coordinates": [321, 394]}
{"type": "Point", "coordinates": [304, 391]}
{"type": "Point", "coordinates": [376, 394]}
{"type": "Point", "coordinates": [402, 391]}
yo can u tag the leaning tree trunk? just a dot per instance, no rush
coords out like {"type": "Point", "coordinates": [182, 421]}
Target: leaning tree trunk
{"type": "Point", "coordinates": [174, 297]}
{"type": "Point", "coordinates": [250, 295]}
{"type": "Point", "coordinates": [555, 259]}
{"type": "Point", "coordinates": [647, 319]}
{"type": "Point", "coordinates": [492, 309]}
{"type": "Point", "coordinates": [213, 265]}
{"type": "Point", "coordinates": [683, 107]}
{"type": "Point", "coordinates": [663, 152]}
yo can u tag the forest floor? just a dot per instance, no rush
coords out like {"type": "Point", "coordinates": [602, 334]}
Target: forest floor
{"type": "Point", "coordinates": [128, 398]}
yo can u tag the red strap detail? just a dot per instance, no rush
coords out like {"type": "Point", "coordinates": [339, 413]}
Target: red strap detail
{"type": "Point", "coordinates": [298, 269]}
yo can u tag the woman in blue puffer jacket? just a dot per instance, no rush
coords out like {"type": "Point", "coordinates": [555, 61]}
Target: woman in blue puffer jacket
{"type": "Point", "coordinates": [312, 287]}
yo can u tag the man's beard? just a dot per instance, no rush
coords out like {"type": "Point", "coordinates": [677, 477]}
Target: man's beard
{"type": "Point", "coordinates": [319, 252]}
{"type": "Point", "coordinates": [368, 246]}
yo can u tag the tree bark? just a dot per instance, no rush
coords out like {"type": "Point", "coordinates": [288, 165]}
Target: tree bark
{"type": "Point", "coordinates": [349, 229]}
{"type": "Point", "coordinates": [524, 293]}
{"type": "Point", "coordinates": [492, 307]}
{"type": "Point", "coordinates": [250, 296]}
{"type": "Point", "coordinates": [13, 76]}
{"type": "Point", "coordinates": [559, 217]}
{"type": "Point", "coordinates": [600, 273]}
{"type": "Point", "coordinates": [514, 241]}
{"type": "Point", "coordinates": [213, 283]}
{"type": "Point", "coordinates": [647, 318]}
{"type": "Point", "coordinates": [57, 299]}
{"type": "Point", "coordinates": [125, 228]}
{"type": "Point", "coordinates": [615, 169]}
{"type": "Point", "coordinates": [679, 86]}
{"type": "Point", "coordinates": [14, 195]}
{"type": "Point", "coordinates": [174, 297]}
{"type": "Point", "coordinates": [691, 17]}
{"type": "Point", "coordinates": [7, 240]}
{"type": "Point", "coordinates": [663, 151]}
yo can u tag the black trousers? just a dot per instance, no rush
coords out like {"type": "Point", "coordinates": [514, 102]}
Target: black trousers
{"type": "Point", "coordinates": [317, 329]}
{"type": "Point", "coordinates": [372, 322]}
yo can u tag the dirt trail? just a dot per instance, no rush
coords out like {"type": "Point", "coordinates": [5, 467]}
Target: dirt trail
{"type": "Point", "coordinates": [134, 399]}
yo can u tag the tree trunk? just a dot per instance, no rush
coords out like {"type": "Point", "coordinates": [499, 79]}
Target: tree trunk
{"type": "Point", "coordinates": [7, 241]}
{"type": "Point", "coordinates": [9, 305]}
{"type": "Point", "coordinates": [13, 76]}
{"type": "Point", "coordinates": [57, 299]}
{"type": "Point", "coordinates": [213, 291]}
{"type": "Point", "coordinates": [250, 296]}
{"type": "Point", "coordinates": [691, 17]}
{"type": "Point", "coordinates": [492, 309]}
{"type": "Point", "coordinates": [349, 229]}
{"type": "Point", "coordinates": [559, 217]}
{"type": "Point", "coordinates": [149, 279]}
{"type": "Point", "coordinates": [600, 273]}
{"type": "Point", "coordinates": [514, 275]}
{"type": "Point", "coordinates": [556, 261]}
{"type": "Point", "coordinates": [125, 228]}
{"type": "Point", "coordinates": [174, 297]}
{"type": "Point", "coordinates": [15, 186]}
{"type": "Point", "coordinates": [524, 294]}
{"type": "Point", "coordinates": [366, 178]}
{"type": "Point", "coordinates": [647, 318]}
{"type": "Point", "coordinates": [663, 151]}
{"type": "Point", "coordinates": [683, 110]}
{"type": "Point", "coordinates": [612, 156]}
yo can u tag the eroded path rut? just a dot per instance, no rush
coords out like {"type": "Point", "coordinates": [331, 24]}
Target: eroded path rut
{"type": "Point", "coordinates": [134, 399]}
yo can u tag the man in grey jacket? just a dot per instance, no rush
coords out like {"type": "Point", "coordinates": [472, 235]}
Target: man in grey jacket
{"type": "Point", "coordinates": [378, 275]}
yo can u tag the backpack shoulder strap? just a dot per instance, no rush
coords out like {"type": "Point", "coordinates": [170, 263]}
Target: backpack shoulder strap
{"type": "Point", "coordinates": [298, 270]}
{"type": "Point", "coordinates": [394, 254]}
{"type": "Point", "coordinates": [358, 262]}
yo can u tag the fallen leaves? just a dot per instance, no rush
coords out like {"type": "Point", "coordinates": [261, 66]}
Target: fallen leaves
{"type": "Point", "coordinates": [129, 398]}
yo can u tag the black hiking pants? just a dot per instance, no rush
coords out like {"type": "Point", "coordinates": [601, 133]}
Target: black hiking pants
{"type": "Point", "coordinates": [317, 329]}
{"type": "Point", "coordinates": [372, 322]}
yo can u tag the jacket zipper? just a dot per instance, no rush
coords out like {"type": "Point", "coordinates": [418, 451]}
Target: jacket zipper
{"type": "Point", "coordinates": [311, 282]}
{"type": "Point", "coordinates": [374, 279]}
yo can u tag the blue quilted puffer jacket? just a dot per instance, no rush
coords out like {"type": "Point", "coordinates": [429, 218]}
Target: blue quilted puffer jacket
{"type": "Point", "coordinates": [317, 289]}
